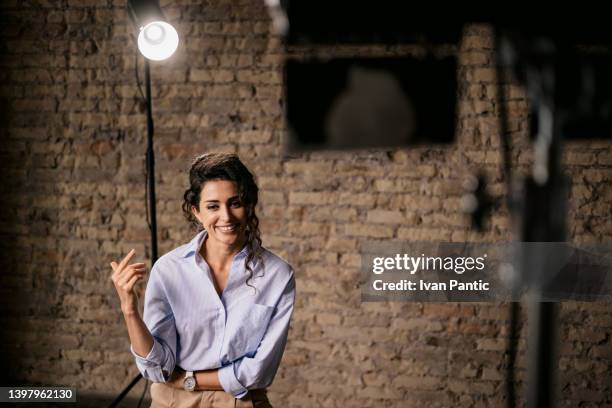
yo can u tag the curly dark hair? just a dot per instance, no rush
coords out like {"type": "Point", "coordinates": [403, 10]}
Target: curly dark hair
{"type": "Point", "coordinates": [224, 166]}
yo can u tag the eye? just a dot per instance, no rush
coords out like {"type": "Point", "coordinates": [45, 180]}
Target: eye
{"type": "Point", "coordinates": [212, 207]}
{"type": "Point", "coordinates": [236, 204]}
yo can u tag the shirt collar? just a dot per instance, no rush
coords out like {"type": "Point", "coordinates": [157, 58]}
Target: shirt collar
{"type": "Point", "coordinates": [195, 244]}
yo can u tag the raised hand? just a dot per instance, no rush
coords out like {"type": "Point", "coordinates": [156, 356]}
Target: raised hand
{"type": "Point", "coordinates": [124, 278]}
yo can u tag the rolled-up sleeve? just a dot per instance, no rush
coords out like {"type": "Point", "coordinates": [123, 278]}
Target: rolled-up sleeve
{"type": "Point", "coordinates": [259, 370]}
{"type": "Point", "coordinates": [159, 319]}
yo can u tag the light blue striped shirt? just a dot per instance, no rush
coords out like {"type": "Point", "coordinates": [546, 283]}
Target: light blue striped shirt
{"type": "Point", "coordinates": [242, 333]}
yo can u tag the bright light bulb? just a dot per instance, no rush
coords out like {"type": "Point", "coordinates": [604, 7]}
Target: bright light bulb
{"type": "Point", "coordinates": [157, 40]}
{"type": "Point", "coordinates": [154, 34]}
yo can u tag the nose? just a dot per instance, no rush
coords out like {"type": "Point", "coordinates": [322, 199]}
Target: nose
{"type": "Point", "coordinates": [226, 214]}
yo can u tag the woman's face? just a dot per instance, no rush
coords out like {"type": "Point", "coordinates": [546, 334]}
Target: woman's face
{"type": "Point", "coordinates": [222, 213]}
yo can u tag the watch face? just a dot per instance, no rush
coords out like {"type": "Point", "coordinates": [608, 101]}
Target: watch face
{"type": "Point", "coordinates": [189, 383]}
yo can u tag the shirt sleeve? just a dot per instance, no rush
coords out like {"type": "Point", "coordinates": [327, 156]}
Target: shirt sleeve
{"type": "Point", "coordinates": [259, 371]}
{"type": "Point", "coordinates": [159, 319]}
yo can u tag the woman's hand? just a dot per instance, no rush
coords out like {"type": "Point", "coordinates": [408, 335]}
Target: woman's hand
{"type": "Point", "coordinates": [124, 278]}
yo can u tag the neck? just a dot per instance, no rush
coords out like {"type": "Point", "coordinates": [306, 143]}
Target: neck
{"type": "Point", "coordinates": [219, 254]}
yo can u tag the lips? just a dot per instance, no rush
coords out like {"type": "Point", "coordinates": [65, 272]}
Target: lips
{"type": "Point", "coordinates": [227, 228]}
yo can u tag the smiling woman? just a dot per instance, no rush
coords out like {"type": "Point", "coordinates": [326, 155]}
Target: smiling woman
{"type": "Point", "coordinates": [223, 216]}
{"type": "Point", "coordinates": [217, 309]}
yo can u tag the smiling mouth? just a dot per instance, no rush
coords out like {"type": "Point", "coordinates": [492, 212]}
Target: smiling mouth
{"type": "Point", "coordinates": [227, 228]}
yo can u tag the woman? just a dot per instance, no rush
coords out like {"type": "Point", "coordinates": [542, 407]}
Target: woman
{"type": "Point", "coordinates": [217, 309]}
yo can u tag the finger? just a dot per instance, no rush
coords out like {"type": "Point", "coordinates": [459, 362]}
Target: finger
{"type": "Point", "coordinates": [130, 284]}
{"type": "Point", "coordinates": [123, 279]}
{"type": "Point", "coordinates": [138, 265]}
{"type": "Point", "coordinates": [123, 274]}
{"type": "Point", "coordinates": [120, 269]}
{"type": "Point", "coordinates": [113, 265]}
{"type": "Point", "coordinates": [127, 258]}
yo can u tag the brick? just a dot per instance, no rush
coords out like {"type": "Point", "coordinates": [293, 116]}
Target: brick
{"type": "Point", "coordinates": [470, 387]}
{"type": "Point", "coordinates": [258, 77]}
{"type": "Point", "coordinates": [312, 198]}
{"type": "Point", "coordinates": [385, 217]}
{"type": "Point", "coordinates": [379, 393]}
{"type": "Point", "coordinates": [604, 351]}
{"type": "Point", "coordinates": [477, 42]}
{"type": "Point", "coordinates": [328, 319]}
{"type": "Point", "coordinates": [474, 58]}
{"type": "Point", "coordinates": [418, 324]}
{"type": "Point", "coordinates": [417, 383]}
{"type": "Point", "coordinates": [329, 213]}
{"type": "Point", "coordinates": [254, 136]}
{"type": "Point", "coordinates": [423, 234]}
{"type": "Point", "coordinates": [362, 200]}
{"type": "Point", "coordinates": [491, 344]}
{"type": "Point", "coordinates": [605, 158]}
{"type": "Point", "coordinates": [397, 186]}
{"type": "Point", "coordinates": [373, 231]}
{"type": "Point", "coordinates": [295, 167]}
{"type": "Point", "coordinates": [484, 75]}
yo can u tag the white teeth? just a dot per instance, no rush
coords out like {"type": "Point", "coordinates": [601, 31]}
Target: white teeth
{"type": "Point", "coordinates": [229, 228]}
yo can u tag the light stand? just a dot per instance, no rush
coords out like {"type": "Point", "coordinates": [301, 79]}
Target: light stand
{"type": "Point", "coordinates": [543, 207]}
{"type": "Point", "coordinates": [544, 221]}
{"type": "Point", "coordinates": [150, 165]}
{"type": "Point", "coordinates": [150, 170]}
{"type": "Point", "coordinates": [157, 40]}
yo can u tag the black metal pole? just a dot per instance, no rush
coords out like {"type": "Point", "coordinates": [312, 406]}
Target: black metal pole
{"type": "Point", "coordinates": [542, 374]}
{"type": "Point", "coordinates": [513, 327]}
{"type": "Point", "coordinates": [151, 165]}
{"type": "Point", "coordinates": [127, 389]}
{"type": "Point", "coordinates": [544, 221]}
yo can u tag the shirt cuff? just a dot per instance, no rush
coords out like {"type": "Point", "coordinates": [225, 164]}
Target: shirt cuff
{"type": "Point", "coordinates": [230, 383]}
{"type": "Point", "coordinates": [154, 357]}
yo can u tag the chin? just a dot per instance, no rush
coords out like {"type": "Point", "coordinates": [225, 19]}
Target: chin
{"type": "Point", "coordinates": [228, 239]}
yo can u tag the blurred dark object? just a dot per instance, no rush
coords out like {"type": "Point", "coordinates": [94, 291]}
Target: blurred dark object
{"type": "Point", "coordinates": [585, 97]}
{"type": "Point", "coordinates": [360, 103]}
{"type": "Point", "coordinates": [583, 78]}
{"type": "Point", "coordinates": [579, 38]}
{"type": "Point", "coordinates": [477, 202]}
{"type": "Point", "coordinates": [393, 21]}
{"type": "Point", "coordinates": [322, 22]}
{"type": "Point", "coordinates": [142, 12]}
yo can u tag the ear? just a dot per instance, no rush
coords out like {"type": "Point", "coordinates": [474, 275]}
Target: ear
{"type": "Point", "coordinates": [194, 211]}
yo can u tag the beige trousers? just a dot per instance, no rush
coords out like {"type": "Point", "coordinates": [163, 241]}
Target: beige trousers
{"type": "Point", "coordinates": [164, 396]}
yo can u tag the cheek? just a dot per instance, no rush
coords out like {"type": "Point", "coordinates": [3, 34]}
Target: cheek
{"type": "Point", "coordinates": [206, 219]}
{"type": "Point", "coordinates": [210, 220]}
{"type": "Point", "coordinates": [242, 215]}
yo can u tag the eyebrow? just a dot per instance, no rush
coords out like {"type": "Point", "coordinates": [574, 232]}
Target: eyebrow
{"type": "Point", "coordinates": [216, 201]}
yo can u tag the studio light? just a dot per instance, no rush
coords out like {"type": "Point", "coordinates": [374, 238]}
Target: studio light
{"type": "Point", "coordinates": [157, 39]}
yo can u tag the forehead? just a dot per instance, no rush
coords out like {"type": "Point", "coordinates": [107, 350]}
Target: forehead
{"type": "Point", "coordinates": [219, 190]}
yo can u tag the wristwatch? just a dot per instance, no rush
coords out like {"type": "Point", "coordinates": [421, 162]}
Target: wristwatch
{"type": "Point", "coordinates": [189, 383]}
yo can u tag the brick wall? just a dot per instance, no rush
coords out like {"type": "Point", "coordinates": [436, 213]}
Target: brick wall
{"type": "Point", "coordinates": [72, 164]}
